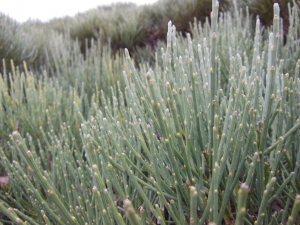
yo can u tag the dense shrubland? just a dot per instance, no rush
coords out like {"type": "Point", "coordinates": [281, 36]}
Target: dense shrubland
{"type": "Point", "coordinates": [206, 128]}
{"type": "Point", "coordinates": [124, 25]}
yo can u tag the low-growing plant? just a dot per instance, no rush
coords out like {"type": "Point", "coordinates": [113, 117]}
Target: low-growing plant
{"type": "Point", "coordinates": [209, 133]}
{"type": "Point", "coordinates": [28, 99]}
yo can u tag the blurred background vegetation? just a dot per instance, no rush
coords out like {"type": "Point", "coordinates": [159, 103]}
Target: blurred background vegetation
{"type": "Point", "coordinates": [141, 29]}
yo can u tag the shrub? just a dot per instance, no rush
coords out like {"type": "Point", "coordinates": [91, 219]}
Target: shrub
{"type": "Point", "coordinates": [210, 133]}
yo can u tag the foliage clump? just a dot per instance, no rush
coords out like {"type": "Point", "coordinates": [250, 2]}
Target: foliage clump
{"type": "Point", "coordinates": [207, 133]}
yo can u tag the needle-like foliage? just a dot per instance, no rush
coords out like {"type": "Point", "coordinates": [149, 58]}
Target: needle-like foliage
{"type": "Point", "coordinates": [207, 135]}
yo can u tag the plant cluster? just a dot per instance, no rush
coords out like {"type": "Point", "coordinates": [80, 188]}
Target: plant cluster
{"type": "Point", "coordinates": [140, 29]}
{"type": "Point", "coordinates": [208, 133]}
